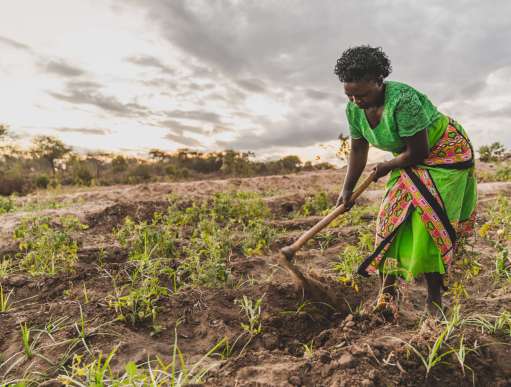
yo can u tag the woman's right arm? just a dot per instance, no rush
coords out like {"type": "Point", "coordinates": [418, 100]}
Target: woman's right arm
{"type": "Point", "coordinates": [356, 164]}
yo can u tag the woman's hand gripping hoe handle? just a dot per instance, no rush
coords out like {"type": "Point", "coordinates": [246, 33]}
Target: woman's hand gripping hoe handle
{"type": "Point", "coordinates": [289, 251]}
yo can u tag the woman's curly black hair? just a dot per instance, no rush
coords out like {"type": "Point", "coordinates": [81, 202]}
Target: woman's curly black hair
{"type": "Point", "coordinates": [363, 63]}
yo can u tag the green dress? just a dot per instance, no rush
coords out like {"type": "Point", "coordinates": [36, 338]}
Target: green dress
{"type": "Point", "coordinates": [406, 112]}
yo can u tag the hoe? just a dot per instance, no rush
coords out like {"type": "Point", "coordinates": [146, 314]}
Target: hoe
{"type": "Point", "coordinates": [312, 288]}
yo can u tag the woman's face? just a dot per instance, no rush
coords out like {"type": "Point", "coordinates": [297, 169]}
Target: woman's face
{"type": "Point", "coordinates": [365, 94]}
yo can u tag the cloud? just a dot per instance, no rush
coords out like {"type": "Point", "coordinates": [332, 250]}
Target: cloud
{"type": "Point", "coordinates": [63, 69]}
{"type": "Point", "coordinates": [317, 94]}
{"type": "Point", "coordinates": [197, 115]}
{"type": "Point", "coordinates": [293, 132]}
{"type": "Point", "coordinates": [183, 140]}
{"type": "Point", "coordinates": [161, 83]}
{"type": "Point", "coordinates": [89, 95]}
{"type": "Point", "coordinates": [88, 85]}
{"type": "Point", "coordinates": [178, 128]}
{"type": "Point", "coordinates": [252, 85]}
{"type": "Point", "coordinates": [150, 61]}
{"type": "Point", "coordinates": [87, 131]}
{"type": "Point", "coordinates": [14, 44]}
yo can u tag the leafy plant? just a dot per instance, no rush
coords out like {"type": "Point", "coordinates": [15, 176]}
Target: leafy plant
{"type": "Point", "coordinates": [258, 236]}
{"type": "Point", "coordinates": [317, 204]}
{"type": "Point", "coordinates": [351, 257]}
{"type": "Point", "coordinates": [145, 240]}
{"type": "Point", "coordinates": [6, 205]}
{"type": "Point", "coordinates": [252, 311]}
{"type": "Point", "coordinates": [46, 248]}
{"type": "Point", "coordinates": [136, 302]}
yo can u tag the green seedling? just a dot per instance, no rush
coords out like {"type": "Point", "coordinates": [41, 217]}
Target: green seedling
{"type": "Point", "coordinates": [5, 304]}
{"type": "Point", "coordinates": [252, 311]}
{"type": "Point", "coordinates": [25, 338]}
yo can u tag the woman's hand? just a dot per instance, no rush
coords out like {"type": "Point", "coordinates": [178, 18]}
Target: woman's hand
{"type": "Point", "coordinates": [381, 170]}
{"type": "Point", "coordinates": [344, 198]}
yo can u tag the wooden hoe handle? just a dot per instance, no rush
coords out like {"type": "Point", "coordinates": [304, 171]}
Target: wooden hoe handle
{"type": "Point", "coordinates": [289, 251]}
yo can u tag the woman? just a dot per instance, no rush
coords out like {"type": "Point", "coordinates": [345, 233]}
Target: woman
{"type": "Point", "coordinates": [431, 192]}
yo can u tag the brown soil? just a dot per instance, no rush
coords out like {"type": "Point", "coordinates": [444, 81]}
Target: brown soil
{"type": "Point", "coordinates": [351, 345]}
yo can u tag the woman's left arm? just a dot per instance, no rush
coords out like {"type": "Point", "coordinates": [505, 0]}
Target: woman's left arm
{"type": "Point", "coordinates": [417, 149]}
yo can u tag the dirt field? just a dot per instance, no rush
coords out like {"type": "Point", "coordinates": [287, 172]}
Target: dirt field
{"type": "Point", "coordinates": [74, 324]}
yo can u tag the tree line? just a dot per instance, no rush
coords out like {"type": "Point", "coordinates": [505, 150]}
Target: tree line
{"type": "Point", "coordinates": [48, 162]}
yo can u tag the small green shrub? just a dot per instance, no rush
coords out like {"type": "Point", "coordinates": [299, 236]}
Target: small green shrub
{"type": "Point", "coordinates": [136, 301]}
{"type": "Point", "coordinates": [316, 205]}
{"type": "Point", "coordinates": [42, 181]}
{"type": "Point", "coordinates": [46, 248]}
{"type": "Point", "coordinates": [503, 173]}
{"type": "Point", "coordinates": [145, 240]}
{"type": "Point", "coordinates": [6, 205]}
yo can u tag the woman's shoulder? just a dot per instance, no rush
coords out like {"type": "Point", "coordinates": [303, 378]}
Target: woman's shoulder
{"type": "Point", "coordinates": [400, 89]}
{"type": "Point", "coordinates": [401, 94]}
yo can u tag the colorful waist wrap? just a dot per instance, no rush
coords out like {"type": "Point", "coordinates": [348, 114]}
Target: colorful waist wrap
{"type": "Point", "coordinates": [437, 196]}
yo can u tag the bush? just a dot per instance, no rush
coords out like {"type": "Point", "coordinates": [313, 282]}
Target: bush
{"type": "Point", "coordinates": [13, 184]}
{"type": "Point", "coordinates": [6, 205]}
{"type": "Point", "coordinates": [119, 164]}
{"type": "Point", "coordinates": [42, 181]}
{"type": "Point", "coordinates": [493, 152]}
{"type": "Point", "coordinates": [82, 175]}
{"type": "Point", "coordinates": [141, 172]}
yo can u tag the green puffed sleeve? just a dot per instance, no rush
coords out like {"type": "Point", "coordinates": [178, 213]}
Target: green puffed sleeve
{"type": "Point", "coordinates": [353, 128]}
{"type": "Point", "coordinates": [410, 115]}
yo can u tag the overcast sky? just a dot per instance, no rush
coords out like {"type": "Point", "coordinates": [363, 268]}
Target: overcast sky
{"type": "Point", "coordinates": [250, 75]}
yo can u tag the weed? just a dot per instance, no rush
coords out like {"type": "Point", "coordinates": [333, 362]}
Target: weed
{"type": "Point", "coordinates": [491, 323]}
{"type": "Point", "coordinates": [461, 353]}
{"type": "Point", "coordinates": [85, 294]}
{"type": "Point", "coordinates": [434, 356]}
{"type": "Point", "coordinates": [308, 349]}
{"type": "Point", "coordinates": [325, 240]}
{"type": "Point", "coordinates": [252, 310]}
{"type": "Point", "coordinates": [6, 267]}
{"type": "Point", "coordinates": [25, 338]}
{"type": "Point", "coordinates": [176, 373]}
{"type": "Point", "coordinates": [94, 373]}
{"type": "Point", "coordinates": [502, 262]}
{"type": "Point", "coordinates": [318, 204]}
{"type": "Point", "coordinates": [497, 230]}
{"type": "Point", "coordinates": [358, 215]}
{"type": "Point", "coordinates": [258, 236]}
{"type": "Point", "coordinates": [347, 263]}
{"type": "Point", "coordinates": [226, 349]}
{"type": "Point", "coordinates": [5, 305]}
{"type": "Point", "coordinates": [458, 291]}
{"type": "Point", "coordinates": [503, 322]}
